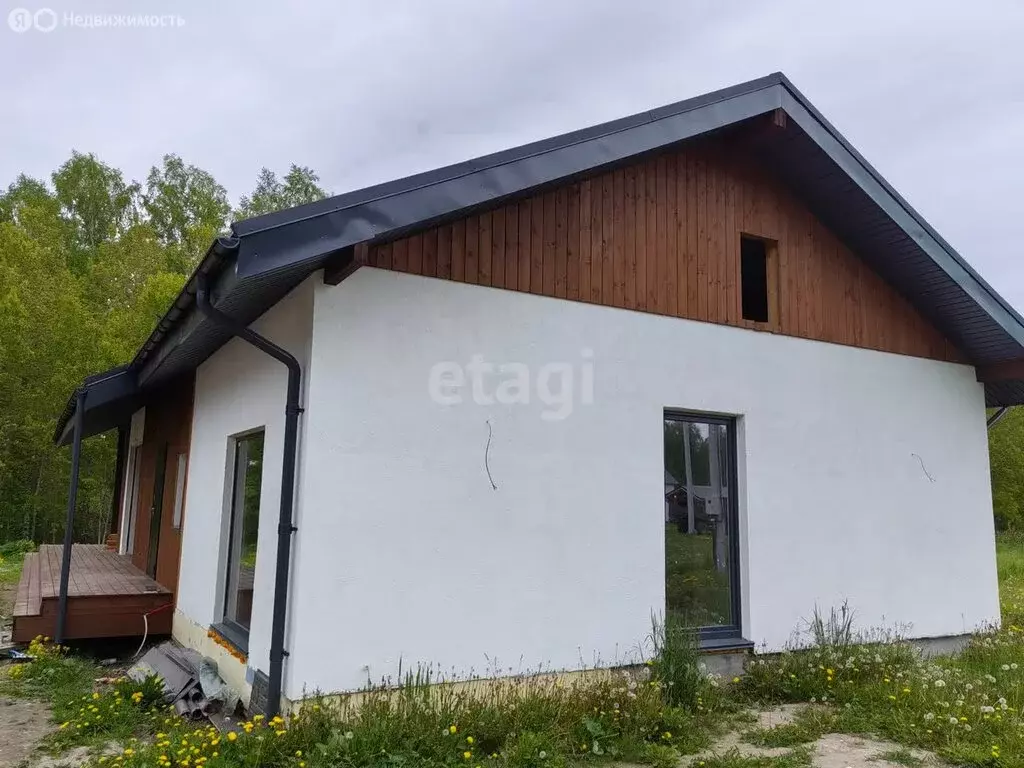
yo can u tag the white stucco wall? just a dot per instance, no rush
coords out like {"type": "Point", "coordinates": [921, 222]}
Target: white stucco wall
{"type": "Point", "coordinates": [238, 389]}
{"type": "Point", "coordinates": [405, 552]}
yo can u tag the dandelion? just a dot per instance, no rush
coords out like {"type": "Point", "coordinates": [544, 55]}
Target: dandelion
{"type": "Point", "coordinates": [298, 753]}
{"type": "Point", "coordinates": [940, 683]}
{"type": "Point", "coordinates": [452, 729]}
{"type": "Point", "coordinates": [349, 735]}
{"type": "Point", "coordinates": [469, 739]}
{"type": "Point", "coordinates": [929, 716]}
{"type": "Point", "coordinates": [467, 755]}
{"type": "Point", "coordinates": [542, 754]}
{"type": "Point", "coordinates": [232, 735]}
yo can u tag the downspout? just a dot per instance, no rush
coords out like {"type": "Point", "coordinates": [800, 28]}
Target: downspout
{"type": "Point", "coordinates": [995, 417]}
{"type": "Point", "coordinates": [285, 529]}
{"type": "Point", "coordinates": [69, 523]}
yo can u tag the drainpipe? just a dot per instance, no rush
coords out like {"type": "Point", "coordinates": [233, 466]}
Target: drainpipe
{"type": "Point", "coordinates": [69, 524]}
{"type": "Point", "coordinates": [995, 417]}
{"type": "Point", "coordinates": [285, 529]}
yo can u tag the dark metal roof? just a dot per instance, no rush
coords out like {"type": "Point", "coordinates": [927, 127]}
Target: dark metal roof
{"type": "Point", "coordinates": [269, 255]}
{"type": "Point", "coordinates": [110, 399]}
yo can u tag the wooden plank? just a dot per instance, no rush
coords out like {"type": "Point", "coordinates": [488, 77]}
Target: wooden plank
{"type": "Point", "coordinates": [618, 227]}
{"type": "Point", "coordinates": [400, 255]}
{"type": "Point", "coordinates": [597, 240]}
{"type": "Point", "coordinates": [650, 203]}
{"type": "Point", "coordinates": [561, 264]}
{"type": "Point", "coordinates": [497, 248]}
{"type": "Point", "coordinates": [473, 249]}
{"type": "Point", "coordinates": [572, 279]}
{"type": "Point", "coordinates": [731, 250]}
{"type": "Point", "coordinates": [682, 225]}
{"type": "Point", "coordinates": [586, 219]}
{"type": "Point", "coordinates": [550, 243]}
{"type": "Point", "coordinates": [702, 240]}
{"type": "Point", "coordinates": [523, 256]}
{"type": "Point", "coordinates": [430, 253]}
{"type": "Point", "coordinates": [537, 245]}
{"type": "Point", "coordinates": [661, 245]}
{"type": "Point", "coordinates": [459, 251]}
{"type": "Point", "coordinates": [628, 238]}
{"type": "Point", "coordinates": [692, 229]}
{"type": "Point", "coordinates": [716, 255]}
{"type": "Point", "coordinates": [670, 279]}
{"type": "Point", "coordinates": [416, 254]}
{"type": "Point", "coordinates": [512, 247]}
{"type": "Point", "coordinates": [607, 236]}
{"type": "Point", "coordinates": [484, 245]}
{"type": "Point", "coordinates": [444, 252]}
{"type": "Point", "coordinates": [640, 244]}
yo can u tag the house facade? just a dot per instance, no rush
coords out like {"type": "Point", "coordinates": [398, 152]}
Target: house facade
{"type": "Point", "coordinates": [700, 364]}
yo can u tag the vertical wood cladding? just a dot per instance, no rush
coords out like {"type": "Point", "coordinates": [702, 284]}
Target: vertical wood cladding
{"type": "Point", "coordinates": [663, 236]}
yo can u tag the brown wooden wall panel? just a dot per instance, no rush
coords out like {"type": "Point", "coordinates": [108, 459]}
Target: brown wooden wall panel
{"type": "Point", "coordinates": [663, 236]}
{"type": "Point", "coordinates": [168, 423]}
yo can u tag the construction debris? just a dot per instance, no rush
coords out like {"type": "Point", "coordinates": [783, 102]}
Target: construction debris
{"type": "Point", "coordinates": [191, 683]}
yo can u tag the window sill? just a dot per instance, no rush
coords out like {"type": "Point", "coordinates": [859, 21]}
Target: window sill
{"type": "Point", "coordinates": [234, 636]}
{"type": "Point", "coordinates": [724, 644]}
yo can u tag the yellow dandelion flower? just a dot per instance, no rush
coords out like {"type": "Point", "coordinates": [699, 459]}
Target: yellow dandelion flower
{"type": "Point", "coordinates": [232, 736]}
{"type": "Point", "coordinates": [467, 755]}
{"type": "Point", "coordinates": [452, 729]}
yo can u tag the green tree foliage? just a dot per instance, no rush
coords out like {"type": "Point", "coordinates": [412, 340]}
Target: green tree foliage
{"type": "Point", "coordinates": [187, 208]}
{"type": "Point", "coordinates": [88, 265]}
{"type": "Point", "coordinates": [300, 185]}
{"type": "Point", "coordinates": [1006, 458]}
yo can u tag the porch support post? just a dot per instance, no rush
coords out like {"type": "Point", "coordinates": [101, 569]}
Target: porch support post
{"type": "Point", "coordinates": [65, 564]}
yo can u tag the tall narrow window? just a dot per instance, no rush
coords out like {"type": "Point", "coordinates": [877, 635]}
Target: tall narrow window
{"type": "Point", "coordinates": [754, 278]}
{"type": "Point", "coordinates": [244, 530]}
{"type": "Point", "coordinates": [179, 490]}
{"type": "Point", "coordinates": [701, 584]}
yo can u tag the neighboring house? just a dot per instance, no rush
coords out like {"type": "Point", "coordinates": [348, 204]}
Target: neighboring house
{"type": "Point", "coordinates": [724, 280]}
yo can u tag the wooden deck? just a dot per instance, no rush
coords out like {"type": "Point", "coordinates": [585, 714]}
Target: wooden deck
{"type": "Point", "coordinates": [107, 596]}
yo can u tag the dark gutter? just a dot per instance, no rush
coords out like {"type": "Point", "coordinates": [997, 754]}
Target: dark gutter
{"type": "Point", "coordinates": [285, 528]}
{"type": "Point", "coordinates": [69, 524]}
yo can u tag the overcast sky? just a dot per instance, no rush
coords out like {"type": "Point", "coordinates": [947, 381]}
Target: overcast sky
{"type": "Point", "coordinates": [931, 92]}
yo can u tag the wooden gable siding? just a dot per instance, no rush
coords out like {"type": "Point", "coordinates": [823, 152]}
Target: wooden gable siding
{"type": "Point", "coordinates": [663, 236]}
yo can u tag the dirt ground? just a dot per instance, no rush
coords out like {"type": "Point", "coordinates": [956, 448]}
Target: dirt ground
{"type": "Point", "coordinates": [834, 750]}
{"type": "Point", "coordinates": [22, 725]}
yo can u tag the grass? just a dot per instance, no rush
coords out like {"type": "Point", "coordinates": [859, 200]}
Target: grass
{"type": "Point", "coordinates": [800, 757]}
{"type": "Point", "coordinates": [12, 555]}
{"type": "Point", "coordinates": [810, 724]}
{"type": "Point", "coordinates": [966, 709]}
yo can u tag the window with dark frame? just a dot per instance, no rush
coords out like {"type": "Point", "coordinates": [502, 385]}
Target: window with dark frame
{"type": "Point", "coordinates": [243, 531]}
{"type": "Point", "coordinates": [701, 524]}
{"type": "Point", "coordinates": [754, 278]}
